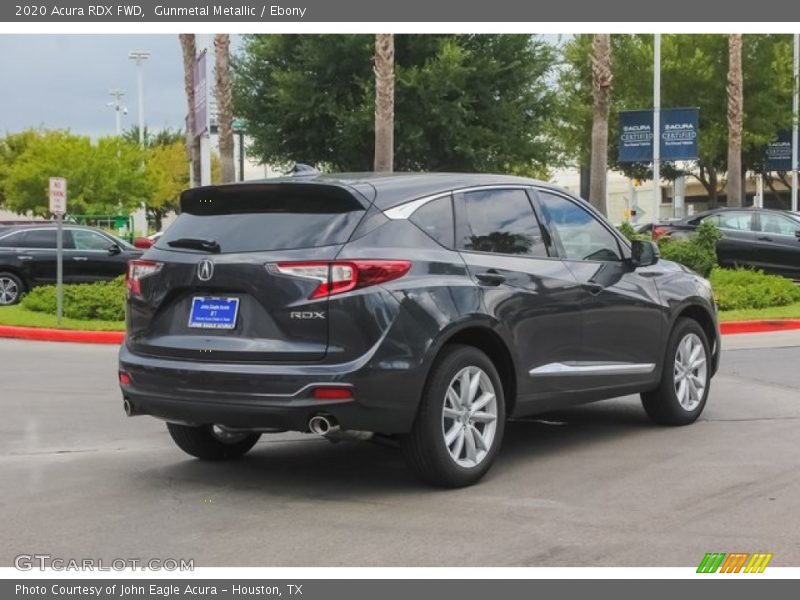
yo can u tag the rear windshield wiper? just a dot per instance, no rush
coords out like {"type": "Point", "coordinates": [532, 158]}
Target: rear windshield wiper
{"type": "Point", "coordinates": [195, 244]}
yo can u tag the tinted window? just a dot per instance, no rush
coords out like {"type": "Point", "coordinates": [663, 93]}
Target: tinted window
{"type": "Point", "coordinates": [39, 238]}
{"type": "Point", "coordinates": [12, 240]}
{"type": "Point", "coordinates": [436, 219]}
{"type": "Point", "coordinates": [89, 240]}
{"type": "Point", "coordinates": [771, 223]}
{"type": "Point", "coordinates": [738, 221]}
{"type": "Point", "coordinates": [262, 219]}
{"type": "Point", "coordinates": [581, 235]}
{"type": "Point", "coordinates": [502, 221]}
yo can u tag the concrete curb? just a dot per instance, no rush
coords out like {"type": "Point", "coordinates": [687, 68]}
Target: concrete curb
{"type": "Point", "coordinates": [736, 327]}
{"type": "Point", "coordinates": [62, 335]}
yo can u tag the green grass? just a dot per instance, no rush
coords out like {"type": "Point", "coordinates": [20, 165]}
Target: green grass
{"type": "Point", "coordinates": [792, 311]}
{"type": "Point", "coordinates": [21, 317]}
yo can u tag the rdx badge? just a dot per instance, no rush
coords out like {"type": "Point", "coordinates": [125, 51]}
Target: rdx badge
{"type": "Point", "coordinates": [307, 314]}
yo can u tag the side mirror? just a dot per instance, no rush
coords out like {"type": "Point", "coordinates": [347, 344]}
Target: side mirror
{"type": "Point", "coordinates": [114, 249]}
{"type": "Point", "coordinates": [644, 253]}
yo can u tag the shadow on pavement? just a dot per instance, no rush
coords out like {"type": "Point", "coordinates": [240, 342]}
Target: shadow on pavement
{"type": "Point", "coordinates": [317, 468]}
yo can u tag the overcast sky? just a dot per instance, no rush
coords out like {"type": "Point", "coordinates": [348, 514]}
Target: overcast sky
{"type": "Point", "coordinates": [62, 81]}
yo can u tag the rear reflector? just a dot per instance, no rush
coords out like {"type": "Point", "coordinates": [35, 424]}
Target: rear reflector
{"type": "Point", "coordinates": [332, 393]}
{"type": "Point", "coordinates": [138, 270]}
{"type": "Point", "coordinates": [125, 379]}
{"type": "Point", "coordinates": [337, 277]}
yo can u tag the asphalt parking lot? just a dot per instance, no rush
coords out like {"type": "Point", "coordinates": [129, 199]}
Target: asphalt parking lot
{"type": "Point", "coordinates": [593, 486]}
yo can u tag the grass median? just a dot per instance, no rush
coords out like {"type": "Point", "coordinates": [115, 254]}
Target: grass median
{"type": "Point", "coordinates": [19, 316]}
{"type": "Point", "coordinates": [791, 311]}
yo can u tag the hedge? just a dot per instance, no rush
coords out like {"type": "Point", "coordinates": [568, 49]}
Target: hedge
{"type": "Point", "coordinates": [736, 289]}
{"type": "Point", "coordinates": [104, 300]}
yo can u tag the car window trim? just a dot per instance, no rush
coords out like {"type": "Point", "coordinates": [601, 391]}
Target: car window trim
{"type": "Point", "coordinates": [459, 208]}
{"type": "Point", "coordinates": [29, 229]}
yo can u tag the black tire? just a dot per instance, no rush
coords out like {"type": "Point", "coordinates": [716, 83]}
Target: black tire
{"type": "Point", "coordinates": [425, 448]}
{"type": "Point", "coordinates": [10, 284]}
{"type": "Point", "coordinates": [663, 405]}
{"type": "Point", "coordinates": [203, 443]}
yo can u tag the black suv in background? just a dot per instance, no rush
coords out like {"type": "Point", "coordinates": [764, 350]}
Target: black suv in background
{"type": "Point", "coordinates": [28, 257]}
{"type": "Point", "coordinates": [426, 307]}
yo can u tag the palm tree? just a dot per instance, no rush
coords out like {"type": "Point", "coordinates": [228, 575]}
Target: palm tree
{"type": "Point", "coordinates": [222, 73]}
{"type": "Point", "coordinates": [189, 49]}
{"type": "Point", "coordinates": [735, 117]}
{"type": "Point", "coordinates": [384, 102]}
{"type": "Point", "coordinates": [601, 96]}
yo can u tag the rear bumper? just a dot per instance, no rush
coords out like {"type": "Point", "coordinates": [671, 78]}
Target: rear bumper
{"type": "Point", "coordinates": [271, 396]}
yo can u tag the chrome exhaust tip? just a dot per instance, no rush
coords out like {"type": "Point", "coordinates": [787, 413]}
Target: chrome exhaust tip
{"type": "Point", "coordinates": [322, 425]}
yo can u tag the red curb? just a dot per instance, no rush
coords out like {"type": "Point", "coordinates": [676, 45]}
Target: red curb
{"type": "Point", "coordinates": [734, 327]}
{"type": "Point", "coordinates": [62, 335]}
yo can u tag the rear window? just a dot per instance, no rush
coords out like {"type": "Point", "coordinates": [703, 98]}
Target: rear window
{"type": "Point", "coordinates": [263, 218]}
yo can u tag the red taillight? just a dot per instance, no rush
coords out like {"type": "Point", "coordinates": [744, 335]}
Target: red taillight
{"type": "Point", "coordinates": [138, 270]}
{"type": "Point", "coordinates": [125, 379]}
{"type": "Point", "coordinates": [658, 232]}
{"type": "Point", "coordinates": [332, 393]}
{"type": "Point", "coordinates": [337, 277]}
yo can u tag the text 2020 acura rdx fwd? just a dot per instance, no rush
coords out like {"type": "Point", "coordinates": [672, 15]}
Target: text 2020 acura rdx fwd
{"type": "Point", "coordinates": [427, 307]}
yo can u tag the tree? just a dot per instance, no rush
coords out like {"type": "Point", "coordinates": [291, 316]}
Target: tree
{"type": "Point", "coordinates": [601, 96]}
{"type": "Point", "coordinates": [224, 94]}
{"type": "Point", "coordinates": [11, 148]}
{"type": "Point", "coordinates": [162, 137]}
{"type": "Point", "coordinates": [168, 177]}
{"type": "Point", "coordinates": [189, 51]}
{"type": "Point", "coordinates": [103, 178]}
{"type": "Point", "coordinates": [735, 116]}
{"type": "Point", "coordinates": [384, 102]}
{"type": "Point", "coordinates": [462, 102]}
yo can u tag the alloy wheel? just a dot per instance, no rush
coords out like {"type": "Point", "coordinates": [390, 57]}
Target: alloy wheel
{"type": "Point", "coordinates": [469, 416]}
{"type": "Point", "coordinates": [9, 291]}
{"type": "Point", "coordinates": [690, 372]}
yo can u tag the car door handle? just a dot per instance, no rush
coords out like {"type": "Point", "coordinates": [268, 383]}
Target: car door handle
{"type": "Point", "coordinates": [593, 288]}
{"type": "Point", "coordinates": [25, 257]}
{"type": "Point", "coordinates": [764, 238]}
{"type": "Point", "coordinates": [80, 258]}
{"type": "Point", "coordinates": [490, 277]}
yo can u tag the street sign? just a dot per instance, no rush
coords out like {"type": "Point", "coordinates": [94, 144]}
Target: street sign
{"type": "Point", "coordinates": [200, 94]}
{"type": "Point", "coordinates": [58, 195]}
{"type": "Point", "coordinates": [678, 136]}
{"type": "Point", "coordinates": [778, 155]}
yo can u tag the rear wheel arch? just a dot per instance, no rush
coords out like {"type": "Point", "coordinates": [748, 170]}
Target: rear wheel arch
{"type": "Point", "coordinates": [488, 341]}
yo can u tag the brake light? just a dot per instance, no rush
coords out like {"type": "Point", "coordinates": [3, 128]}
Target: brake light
{"type": "Point", "coordinates": [337, 277]}
{"type": "Point", "coordinates": [138, 270]}
{"type": "Point", "coordinates": [659, 232]}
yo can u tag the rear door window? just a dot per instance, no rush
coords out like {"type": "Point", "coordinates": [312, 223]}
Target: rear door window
{"type": "Point", "coordinates": [503, 222]}
{"type": "Point", "coordinates": [264, 218]}
{"type": "Point", "coordinates": [736, 221]}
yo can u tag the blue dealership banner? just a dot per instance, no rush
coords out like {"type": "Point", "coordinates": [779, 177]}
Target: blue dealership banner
{"type": "Point", "coordinates": [779, 153]}
{"type": "Point", "coordinates": [678, 137]}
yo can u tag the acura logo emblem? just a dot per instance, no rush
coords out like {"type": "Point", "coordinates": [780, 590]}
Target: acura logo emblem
{"type": "Point", "coordinates": [205, 270]}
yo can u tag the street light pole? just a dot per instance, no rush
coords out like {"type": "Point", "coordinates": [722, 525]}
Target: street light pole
{"type": "Point", "coordinates": [140, 56]}
{"type": "Point", "coordinates": [657, 125]}
{"type": "Point", "coordinates": [118, 106]}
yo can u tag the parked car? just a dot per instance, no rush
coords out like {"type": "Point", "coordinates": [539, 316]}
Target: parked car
{"type": "Point", "coordinates": [28, 257]}
{"type": "Point", "coordinates": [758, 238]}
{"type": "Point", "coordinates": [426, 307]}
